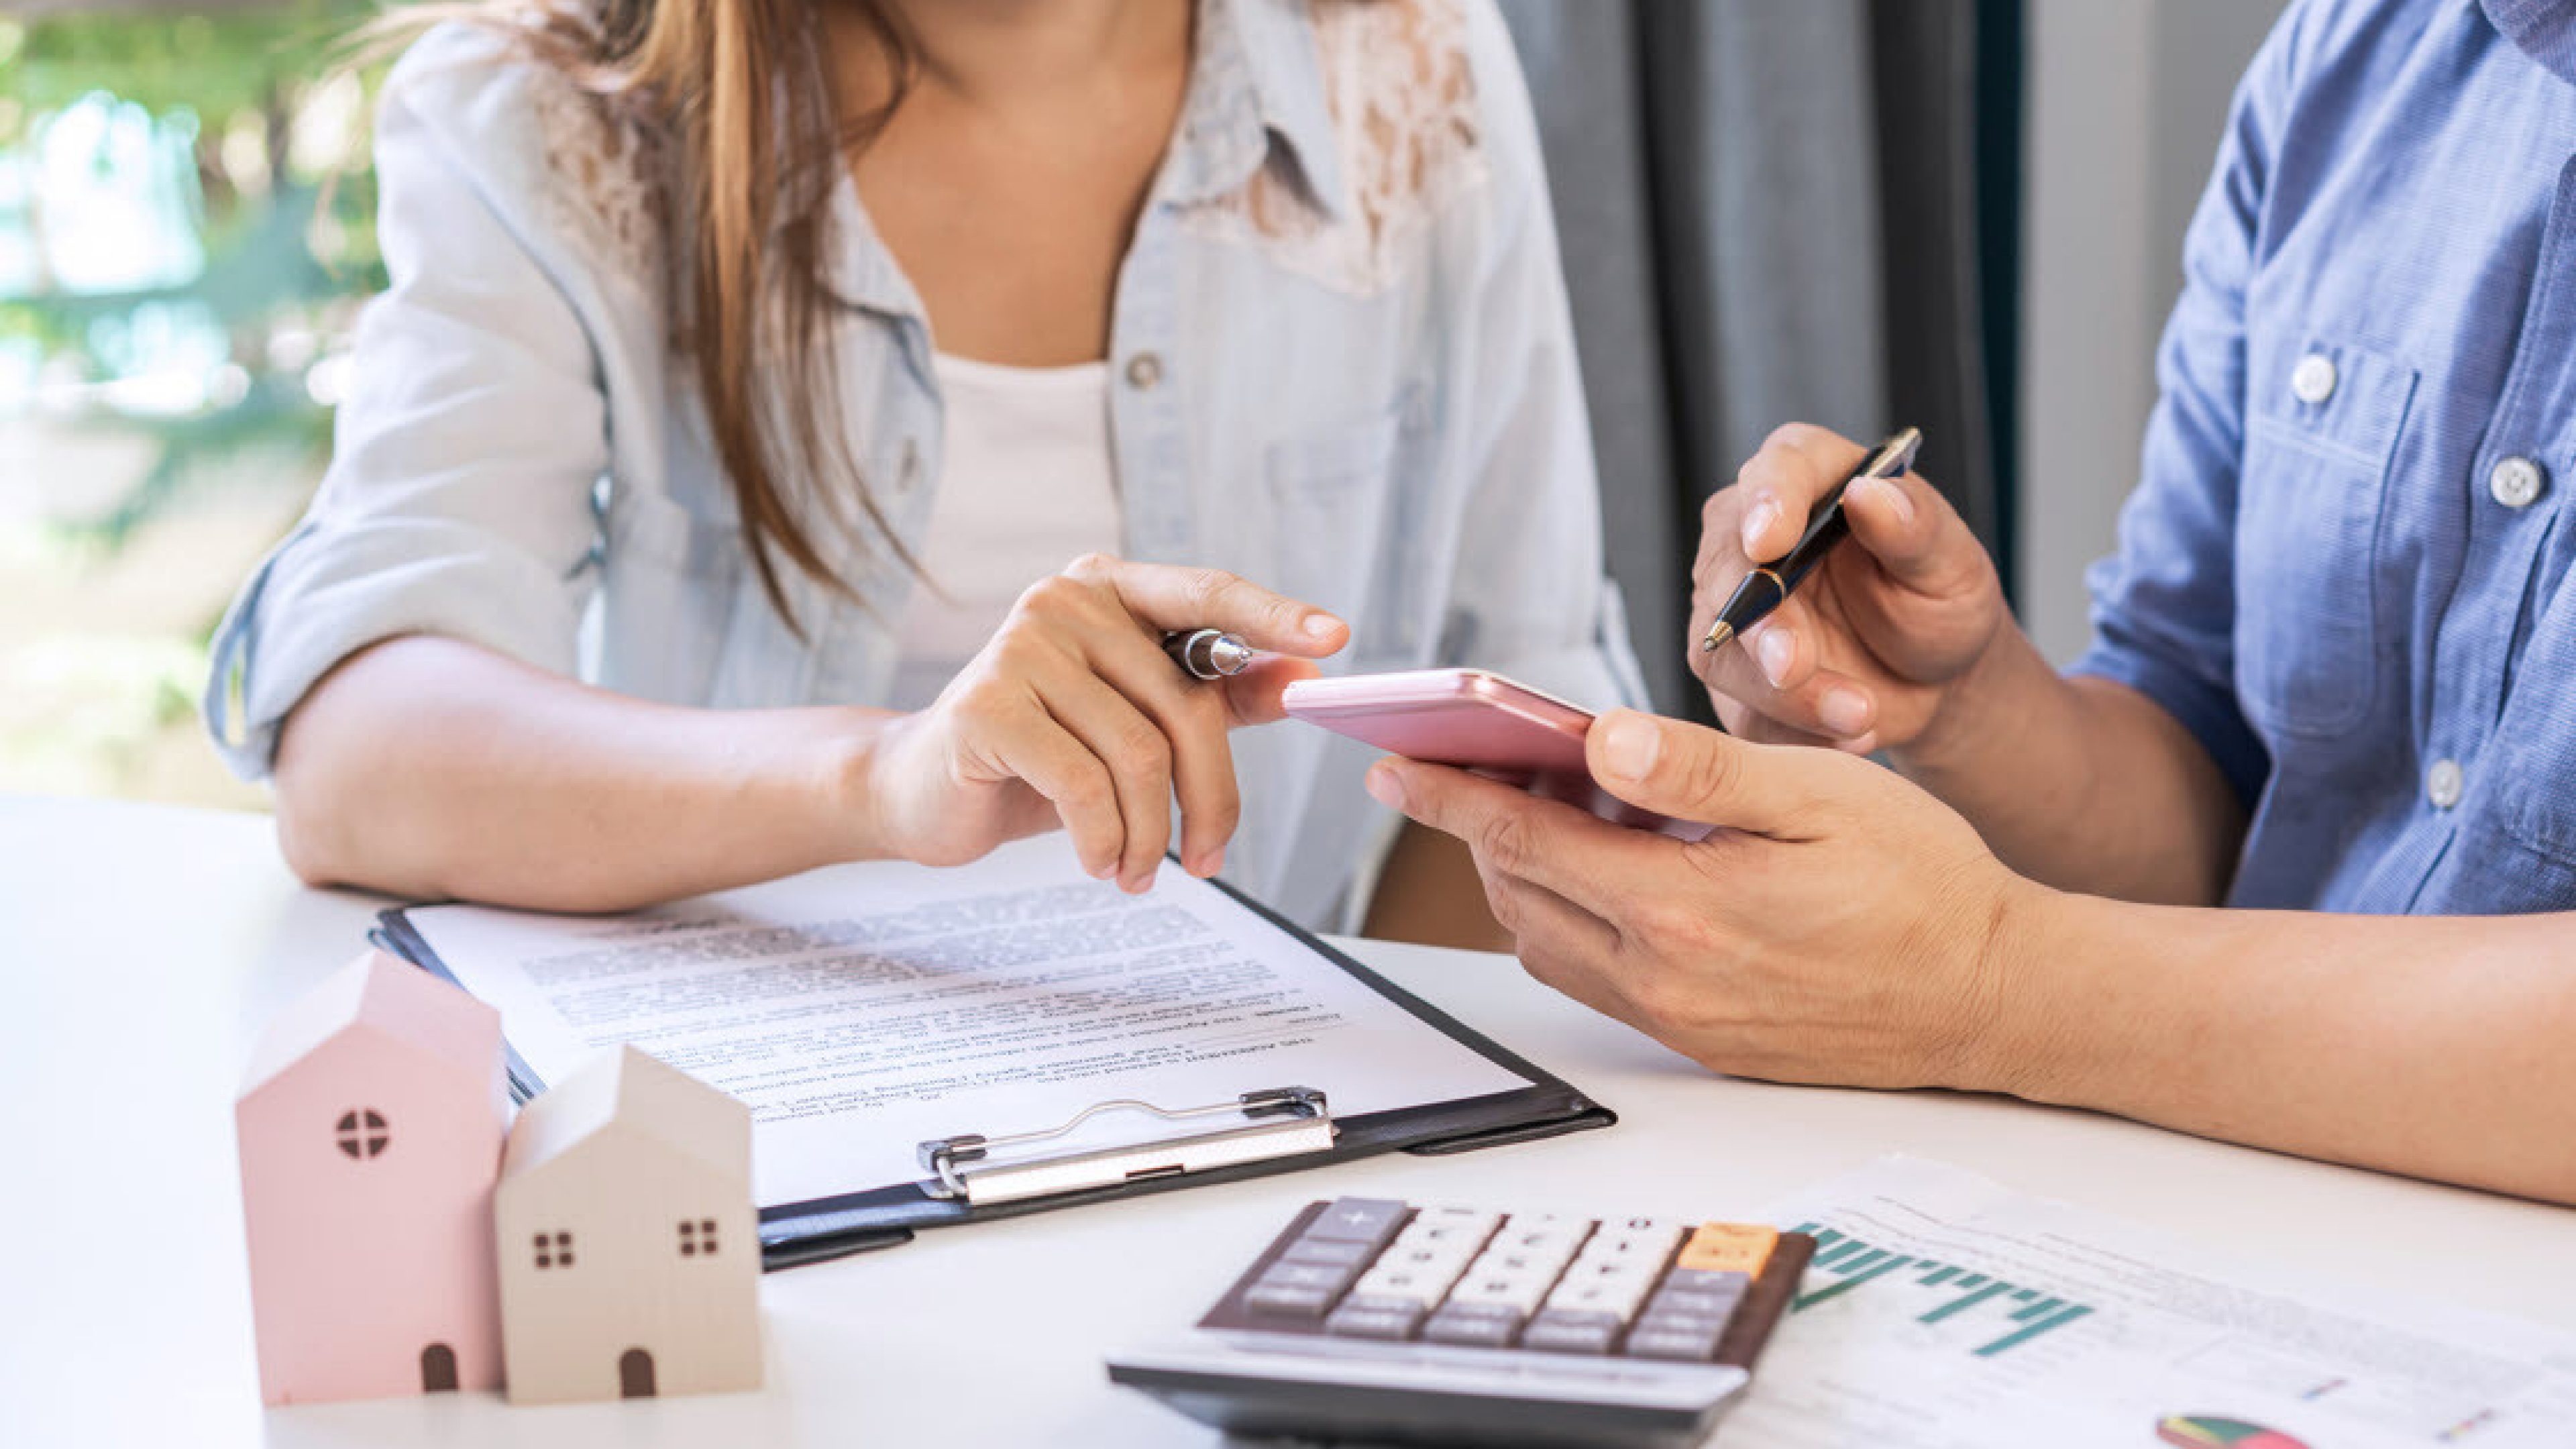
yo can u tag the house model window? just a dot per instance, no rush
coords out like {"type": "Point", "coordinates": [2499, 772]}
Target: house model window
{"type": "Point", "coordinates": [554, 1250]}
{"type": "Point", "coordinates": [363, 1133]}
{"type": "Point", "coordinates": [697, 1236]}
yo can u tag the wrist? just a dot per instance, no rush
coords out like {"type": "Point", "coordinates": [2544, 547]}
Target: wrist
{"type": "Point", "coordinates": [2032, 1045]}
{"type": "Point", "coordinates": [1979, 712]}
{"type": "Point", "coordinates": [846, 777]}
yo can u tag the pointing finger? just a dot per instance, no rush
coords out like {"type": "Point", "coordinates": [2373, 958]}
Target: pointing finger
{"type": "Point", "coordinates": [1166, 597]}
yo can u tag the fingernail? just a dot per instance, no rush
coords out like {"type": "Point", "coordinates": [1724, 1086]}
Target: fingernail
{"type": "Point", "coordinates": [1844, 711]}
{"type": "Point", "coordinates": [1897, 502]}
{"type": "Point", "coordinates": [1212, 862]}
{"type": "Point", "coordinates": [1319, 627]}
{"type": "Point", "coordinates": [1384, 787]}
{"type": "Point", "coordinates": [1757, 521]}
{"type": "Point", "coordinates": [1778, 649]}
{"type": "Point", "coordinates": [1630, 745]}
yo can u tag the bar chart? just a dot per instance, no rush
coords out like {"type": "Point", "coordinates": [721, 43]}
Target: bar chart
{"type": "Point", "coordinates": [2020, 1315]}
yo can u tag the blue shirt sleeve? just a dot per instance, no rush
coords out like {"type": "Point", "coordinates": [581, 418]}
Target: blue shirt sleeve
{"type": "Point", "coordinates": [2164, 604]}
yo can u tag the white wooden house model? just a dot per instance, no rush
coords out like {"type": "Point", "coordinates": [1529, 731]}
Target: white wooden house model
{"type": "Point", "coordinates": [628, 1244]}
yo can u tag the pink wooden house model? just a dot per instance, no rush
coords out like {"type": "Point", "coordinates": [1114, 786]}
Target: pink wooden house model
{"type": "Point", "coordinates": [629, 1247]}
{"type": "Point", "coordinates": [370, 1124]}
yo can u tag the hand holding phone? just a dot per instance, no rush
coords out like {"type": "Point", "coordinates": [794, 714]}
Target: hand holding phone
{"type": "Point", "coordinates": [1477, 721]}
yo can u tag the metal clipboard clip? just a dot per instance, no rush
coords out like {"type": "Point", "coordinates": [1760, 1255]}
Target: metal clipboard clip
{"type": "Point", "coordinates": [1281, 1122]}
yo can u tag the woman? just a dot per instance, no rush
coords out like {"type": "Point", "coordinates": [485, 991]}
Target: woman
{"type": "Point", "coordinates": [750, 367]}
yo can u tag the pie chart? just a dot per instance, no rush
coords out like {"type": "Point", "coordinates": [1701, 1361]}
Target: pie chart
{"type": "Point", "coordinates": [2204, 1431]}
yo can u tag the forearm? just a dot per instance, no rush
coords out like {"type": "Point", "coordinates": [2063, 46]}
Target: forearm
{"type": "Point", "coordinates": [2432, 1046]}
{"type": "Point", "coordinates": [431, 768]}
{"type": "Point", "coordinates": [2080, 783]}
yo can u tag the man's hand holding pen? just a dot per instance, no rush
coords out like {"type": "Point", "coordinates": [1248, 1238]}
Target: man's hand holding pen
{"type": "Point", "coordinates": [1869, 650]}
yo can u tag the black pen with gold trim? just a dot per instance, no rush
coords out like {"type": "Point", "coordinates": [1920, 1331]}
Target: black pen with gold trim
{"type": "Point", "coordinates": [1768, 586]}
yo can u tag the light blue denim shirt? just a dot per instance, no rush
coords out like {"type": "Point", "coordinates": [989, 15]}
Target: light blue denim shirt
{"type": "Point", "coordinates": [2346, 569]}
{"type": "Point", "coordinates": [1343, 369]}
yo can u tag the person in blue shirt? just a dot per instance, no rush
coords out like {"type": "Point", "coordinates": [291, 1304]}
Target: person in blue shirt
{"type": "Point", "coordinates": [2289, 857]}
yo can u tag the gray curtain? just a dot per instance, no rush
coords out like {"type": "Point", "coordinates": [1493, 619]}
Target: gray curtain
{"type": "Point", "coordinates": [1769, 211]}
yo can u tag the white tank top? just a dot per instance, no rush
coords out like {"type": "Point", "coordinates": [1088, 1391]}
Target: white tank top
{"type": "Point", "coordinates": [1025, 487]}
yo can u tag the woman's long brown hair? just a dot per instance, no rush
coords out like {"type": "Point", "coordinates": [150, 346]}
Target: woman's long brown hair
{"type": "Point", "coordinates": [740, 96]}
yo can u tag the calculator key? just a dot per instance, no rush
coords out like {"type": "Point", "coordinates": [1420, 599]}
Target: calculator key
{"type": "Point", "coordinates": [1328, 1252]}
{"type": "Point", "coordinates": [1548, 1236]}
{"type": "Point", "coordinates": [1665, 1341]}
{"type": "Point", "coordinates": [1729, 1248]}
{"type": "Point", "coordinates": [1523, 1293]}
{"type": "Point", "coordinates": [1428, 1256]}
{"type": "Point", "coordinates": [1703, 1292]}
{"type": "Point", "coordinates": [1693, 1280]}
{"type": "Point", "coordinates": [1417, 1286]}
{"type": "Point", "coordinates": [1365, 1317]}
{"type": "Point", "coordinates": [1566, 1331]}
{"type": "Point", "coordinates": [1673, 1320]}
{"type": "Point", "coordinates": [1296, 1290]}
{"type": "Point", "coordinates": [1474, 1325]}
{"type": "Point", "coordinates": [1616, 1297]}
{"type": "Point", "coordinates": [1612, 1270]}
{"type": "Point", "coordinates": [1370, 1220]}
{"type": "Point", "coordinates": [1653, 1248]}
{"type": "Point", "coordinates": [1331, 1279]}
{"type": "Point", "coordinates": [1693, 1304]}
{"type": "Point", "coordinates": [1287, 1302]}
{"type": "Point", "coordinates": [1518, 1264]}
{"type": "Point", "coordinates": [1477, 1220]}
{"type": "Point", "coordinates": [1450, 1236]}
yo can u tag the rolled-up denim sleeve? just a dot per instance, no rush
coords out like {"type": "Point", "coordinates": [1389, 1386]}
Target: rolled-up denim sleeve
{"type": "Point", "coordinates": [2164, 604]}
{"type": "Point", "coordinates": [1529, 598]}
{"type": "Point", "coordinates": [458, 500]}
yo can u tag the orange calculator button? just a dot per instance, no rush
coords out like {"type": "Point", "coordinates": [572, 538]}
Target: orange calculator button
{"type": "Point", "coordinates": [1729, 1248]}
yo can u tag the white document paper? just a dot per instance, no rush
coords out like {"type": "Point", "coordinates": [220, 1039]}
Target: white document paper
{"type": "Point", "coordinates": [862, 1009]}
{"type": "Point", "coordinates": [1945, 1312]}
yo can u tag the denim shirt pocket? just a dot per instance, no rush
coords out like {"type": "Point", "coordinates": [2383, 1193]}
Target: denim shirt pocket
{"type": "Point", "coordinates": [1347, 510]}
{"type": "Point", "coordinates": [2311, 501]}
{"type": "Point", "coordinates": [669, 584]}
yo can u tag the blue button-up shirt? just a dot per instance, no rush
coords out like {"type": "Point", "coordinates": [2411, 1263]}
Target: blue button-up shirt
{"type": "Point", "coordinates": [2346, 568]}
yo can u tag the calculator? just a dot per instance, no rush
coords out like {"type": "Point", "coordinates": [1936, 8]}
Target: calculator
{"type": "Point", "coordinates": [1377, 1320]}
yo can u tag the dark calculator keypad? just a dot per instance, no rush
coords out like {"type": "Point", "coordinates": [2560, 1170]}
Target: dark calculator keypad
{"type": "Point", "coordinates": [1372, 1269]}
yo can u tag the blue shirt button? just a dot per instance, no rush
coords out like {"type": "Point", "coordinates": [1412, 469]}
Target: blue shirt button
{"type": "Point", "coordinates": [2314, 379]}
{"type": "Point", "coordinates": [2517, 482]}
{"type": "Point", "coordinates": [2443, 784]}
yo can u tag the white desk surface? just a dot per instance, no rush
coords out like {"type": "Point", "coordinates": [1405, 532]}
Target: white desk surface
{"type": "Point", "coordinates": [142, 947]}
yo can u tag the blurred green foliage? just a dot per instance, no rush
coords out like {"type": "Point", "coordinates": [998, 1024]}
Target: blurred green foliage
{"type": "Point", "coordinates": [242, 58]}
{"type": "Point", "coordinates": [282, 208]}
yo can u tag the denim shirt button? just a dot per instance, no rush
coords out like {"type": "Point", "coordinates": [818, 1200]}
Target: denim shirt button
{"type": "Point", "coordinates": [1144, 370]}
{"type": "Point", "coordinates": [2314, 379]}
{"type": "Point", "coordinates": [2443, 784]}
{"type": "Point", "coordinates": [2516, 482]}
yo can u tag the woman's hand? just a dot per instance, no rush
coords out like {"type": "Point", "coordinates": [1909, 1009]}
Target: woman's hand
{"type": "Point", "coordinates": [1869, 650]}
{"type": "Point", "coordinates": [1840, 926]}
{"type": "Point", "coordinates": [1074, 713]}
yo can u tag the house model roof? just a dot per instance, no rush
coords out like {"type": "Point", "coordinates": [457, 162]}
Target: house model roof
{"type": "Point", "coordinates": [391, 999]}
{"type": "Point", "coordinates": [628, 1091]}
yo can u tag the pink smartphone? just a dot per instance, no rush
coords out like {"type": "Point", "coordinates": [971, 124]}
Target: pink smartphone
{"type": "Point", "coordinates": [1476, 721]}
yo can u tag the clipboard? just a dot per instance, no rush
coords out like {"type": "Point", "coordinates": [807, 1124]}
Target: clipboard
{"type": "Point", "coordinates": [1271, 1128]}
